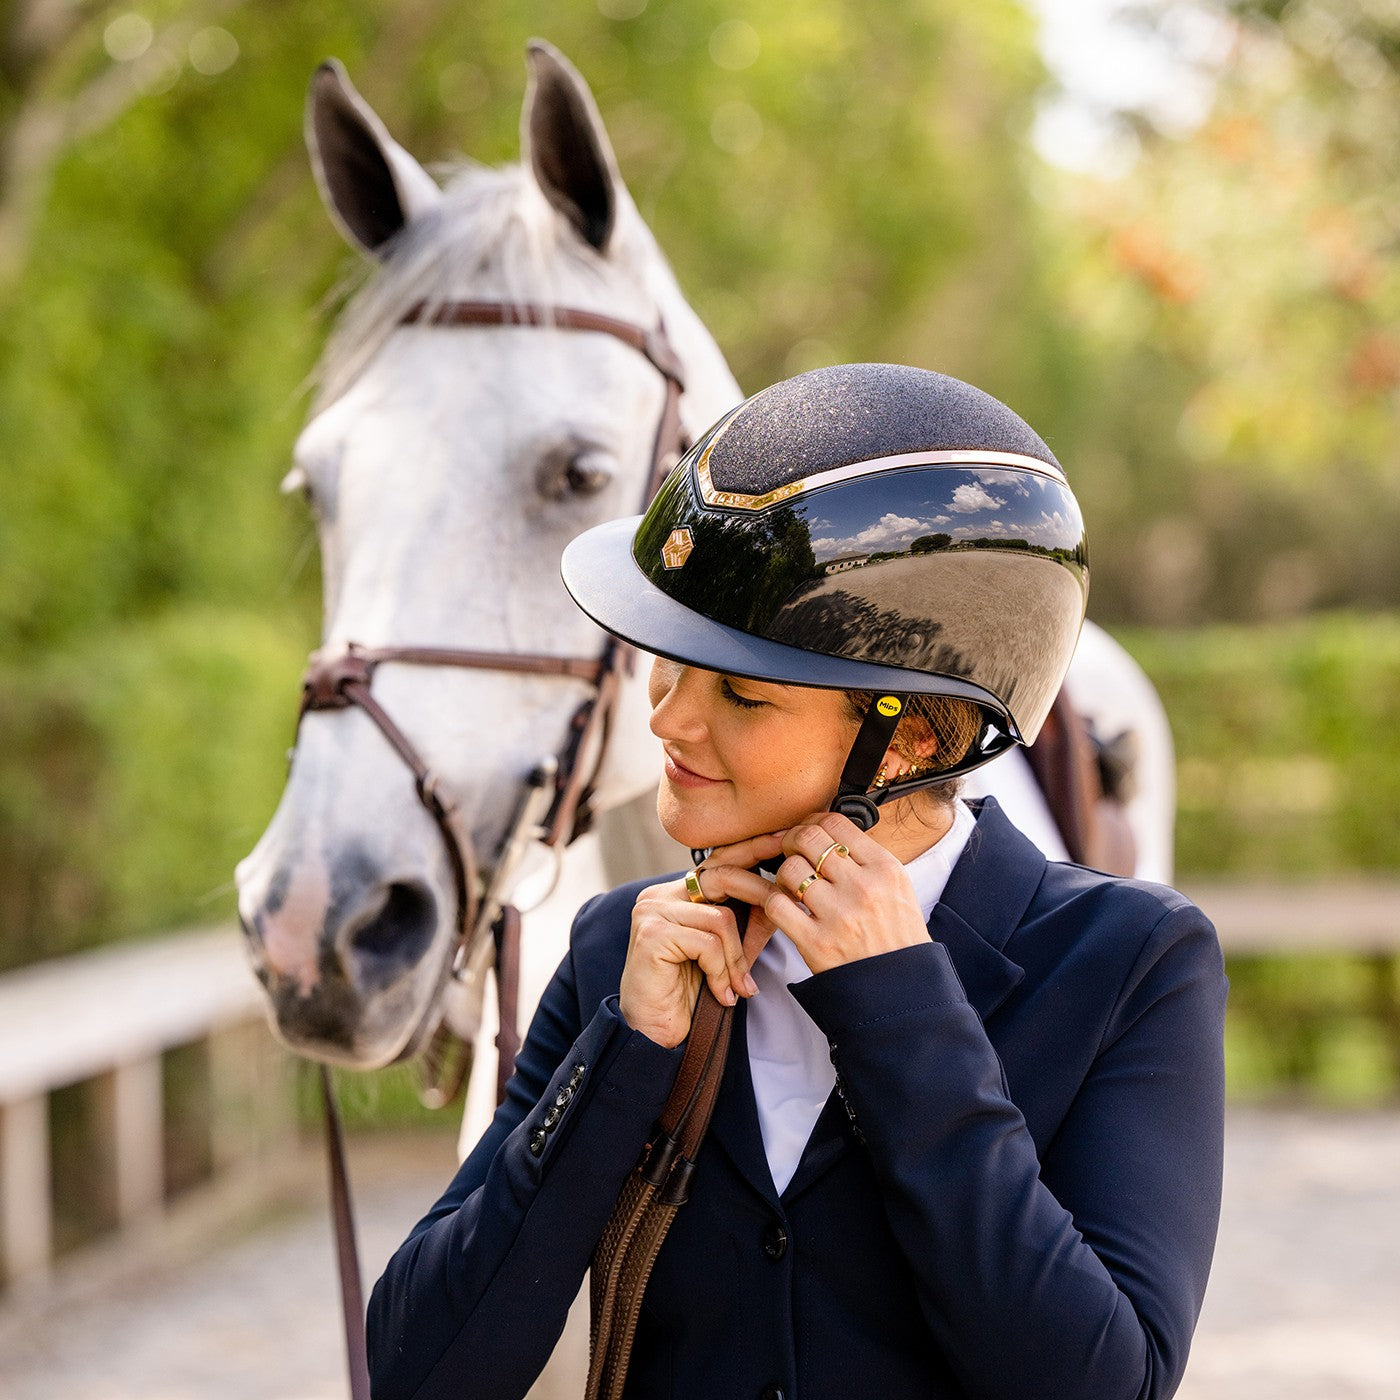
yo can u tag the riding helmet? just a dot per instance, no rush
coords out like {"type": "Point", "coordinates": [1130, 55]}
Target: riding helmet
{"type": "Point", "coordinates": [863, 527]}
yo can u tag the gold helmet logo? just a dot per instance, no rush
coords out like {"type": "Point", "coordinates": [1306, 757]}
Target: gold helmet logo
{"type": "Point", "coordinates": [677, 548]}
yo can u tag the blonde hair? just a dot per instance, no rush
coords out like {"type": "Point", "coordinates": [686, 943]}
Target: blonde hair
{"type": "Point", "coordinates": [952, 723]}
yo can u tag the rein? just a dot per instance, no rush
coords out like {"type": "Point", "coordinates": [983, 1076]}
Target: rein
{"type": "Point", "coordinates": [339, 680]}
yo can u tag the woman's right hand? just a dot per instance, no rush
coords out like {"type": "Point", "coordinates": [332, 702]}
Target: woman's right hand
{"type": "Point", "coordinates": [675, 943]}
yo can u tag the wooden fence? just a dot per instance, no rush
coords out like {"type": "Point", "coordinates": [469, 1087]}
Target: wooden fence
{"type": "Point", "coordinates": [1334, 916]}
{"type": "Point", "coordinates": [111, 1021]}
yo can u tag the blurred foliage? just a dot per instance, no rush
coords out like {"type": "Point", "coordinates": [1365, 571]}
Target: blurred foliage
{"type": "Point", "coordinates": [1287, 742]}
{"type": "Point", "coordinates": [1288, 767]}
{"type": "Point", "coordinates": [375, 1100]}
{"type": "Point", "coordinates": [1325, 1027]}
{"type": "Point", "coordinates": [138, 767]}
{"type": "Point", "coordinates": [1240, 287]}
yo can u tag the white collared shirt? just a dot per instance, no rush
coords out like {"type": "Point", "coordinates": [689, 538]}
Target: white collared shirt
{"type": "Point", "coordinates": [788, 1056]}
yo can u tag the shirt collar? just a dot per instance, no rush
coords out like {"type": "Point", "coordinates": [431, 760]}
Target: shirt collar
{"type": "Point", "coordinates": [929, 872]}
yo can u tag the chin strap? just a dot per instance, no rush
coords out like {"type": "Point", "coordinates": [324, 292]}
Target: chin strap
{"type": "Point", "coordinates": [864, 760]}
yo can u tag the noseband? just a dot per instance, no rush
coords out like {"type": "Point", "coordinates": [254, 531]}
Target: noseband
{"type": "Point", "coordinates": [344, 679]}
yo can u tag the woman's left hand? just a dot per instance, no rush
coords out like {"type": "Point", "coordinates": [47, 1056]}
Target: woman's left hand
{"type": "Point", "coordinates": [861, 904]}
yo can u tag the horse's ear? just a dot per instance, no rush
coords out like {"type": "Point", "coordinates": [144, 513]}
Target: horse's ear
{"type": "Point", "coordinates": [563, 139]}
{"type": "Point", "coordinates": [370, 185]}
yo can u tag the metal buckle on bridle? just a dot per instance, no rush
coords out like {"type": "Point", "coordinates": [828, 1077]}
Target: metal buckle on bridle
{"type": "Point", "coordinates": [323, 685]}
{"type": "Point", "coordinates": [527, 829]}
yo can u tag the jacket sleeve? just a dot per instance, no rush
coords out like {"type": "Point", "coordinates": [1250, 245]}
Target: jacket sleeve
{"type": "Point", "coordinates": [476, 1298]}
{"type": "Point", "coordinates": [1080, 1275]}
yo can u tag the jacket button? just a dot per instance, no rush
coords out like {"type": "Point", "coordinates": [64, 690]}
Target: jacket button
{"type": "Point", "coordinates": [775, 1243]}
{"type": "Point", "coordinates": [772, 1392]}
{"type": "Point", "coordinates": [537, 1141]}
{"type": "Point", "coordinates": [551, 1118]}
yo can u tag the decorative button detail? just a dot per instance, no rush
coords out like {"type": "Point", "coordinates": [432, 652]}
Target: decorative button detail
{"type": "Point", "coordinates": [772, 1392]}
{"type": "Point", "coordinates": [576, 1078]}
{"type": "Point", "coordinates": [551, 1118]}
{"type": "Point", "coordinates": [775, 1241]}
{"type": "Point", "coordinates": [561, 1099]}
{"type": "Point", "coordinates": [677, 548]}
{"type": "Point", "coordinates": [537, 1142]}
{"type": "Point", "coordinates": [846, 1104]}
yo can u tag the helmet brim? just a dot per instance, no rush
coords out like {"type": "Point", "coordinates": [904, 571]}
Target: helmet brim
{"type": "Point", "coordinates": [602, 577]}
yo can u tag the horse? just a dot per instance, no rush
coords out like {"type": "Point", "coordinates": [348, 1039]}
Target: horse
{"type": "Point", "coordinates": [448, 459]}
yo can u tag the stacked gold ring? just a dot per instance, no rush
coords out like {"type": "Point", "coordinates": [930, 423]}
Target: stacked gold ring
{"type": "Point", "coordinates": [804, 887]}
{"type": "Point", "coordinates": [837, 847]}
{"type": "Point", "coordinates": [692, 887]}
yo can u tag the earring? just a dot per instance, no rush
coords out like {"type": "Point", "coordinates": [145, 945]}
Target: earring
{"type": "Point", "coordinates": [880, 777]}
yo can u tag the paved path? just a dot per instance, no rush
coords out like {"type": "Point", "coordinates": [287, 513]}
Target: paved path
{"type": "Point", "coordinates": [1304, 1303]}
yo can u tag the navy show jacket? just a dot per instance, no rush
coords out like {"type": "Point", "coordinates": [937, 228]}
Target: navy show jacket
{"type": "Point", "coordinates": [1012, 1192]}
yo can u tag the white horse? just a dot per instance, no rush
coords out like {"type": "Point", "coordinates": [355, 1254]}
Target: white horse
{"type": "Point", "coordinates": [447, 467]}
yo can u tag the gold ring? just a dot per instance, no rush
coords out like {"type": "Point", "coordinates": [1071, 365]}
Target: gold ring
{"type": "Point", "coordinates": [692, 887]}
{"type": "Point", "coordinates": [804, 887]}
{"type": "Point", "coordinates": [821, 859]}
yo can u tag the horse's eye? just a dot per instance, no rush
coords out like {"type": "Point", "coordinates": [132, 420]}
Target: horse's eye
{"type": "Point", "coordinates": [587, 474]}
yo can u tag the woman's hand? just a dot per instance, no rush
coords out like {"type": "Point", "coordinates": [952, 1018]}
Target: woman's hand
{"type": "Point", "coordinates": [860, 905]}
{"type": "Point", "coordinates": [675, 943]}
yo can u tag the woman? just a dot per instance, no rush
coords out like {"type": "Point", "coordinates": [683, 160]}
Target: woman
{"type": "Point", "coordinates": [968, 1142]}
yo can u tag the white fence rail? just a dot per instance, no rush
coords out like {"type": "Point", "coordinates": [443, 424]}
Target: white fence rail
{"type": "Point", "coordinates": [106, 1019]}
{"type": "Point", "coordinates": [1341, 915]}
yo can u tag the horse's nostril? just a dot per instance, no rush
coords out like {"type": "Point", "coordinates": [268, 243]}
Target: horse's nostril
{"type": "Point", "coordinates": [397, 937]}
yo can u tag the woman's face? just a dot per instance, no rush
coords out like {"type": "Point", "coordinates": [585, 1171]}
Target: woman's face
{"type": "Point", "coordinates": [743, 757]}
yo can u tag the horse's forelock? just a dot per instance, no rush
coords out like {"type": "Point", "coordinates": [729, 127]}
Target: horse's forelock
{"type": "Point", "coordinates": [493, 235]}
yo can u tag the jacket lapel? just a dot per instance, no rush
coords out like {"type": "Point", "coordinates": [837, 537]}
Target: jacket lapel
{"type": "Point", "coordinates": [735, 1122]}
{"type": "Point", "coordinates": [988, 892]}
{"type": "Point", "coordinates": [986, 897]}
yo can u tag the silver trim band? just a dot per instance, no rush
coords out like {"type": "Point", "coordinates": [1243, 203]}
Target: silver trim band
{"type": "Point", "coordinates": [736, 500]}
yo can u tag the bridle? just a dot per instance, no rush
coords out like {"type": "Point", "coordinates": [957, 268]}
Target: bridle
{"type": "Point", "coordinates": [557, 803]}
{"type": "Point", "coordinates": [556, 806]}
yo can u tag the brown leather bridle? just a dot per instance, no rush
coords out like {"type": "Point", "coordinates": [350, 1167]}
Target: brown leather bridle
{"type": "Point", "coordinates": [337, 680]}
{"type": "Point", "coordinates": [343, 679]}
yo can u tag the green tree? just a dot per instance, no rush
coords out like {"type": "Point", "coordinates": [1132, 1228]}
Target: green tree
{"type": "Point", "coordinates": [1239, 289]}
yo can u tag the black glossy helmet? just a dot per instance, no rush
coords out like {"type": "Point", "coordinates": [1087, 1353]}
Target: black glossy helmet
{"type": "Point", "coordinates": [863, 527]}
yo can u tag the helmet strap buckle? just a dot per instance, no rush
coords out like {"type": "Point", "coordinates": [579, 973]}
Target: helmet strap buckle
{"type": "Point", "coordinates": [865, 759]}
{"type": "Point", "coordinates": [856, 807]}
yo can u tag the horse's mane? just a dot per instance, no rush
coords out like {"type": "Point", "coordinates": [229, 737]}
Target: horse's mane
{"type": "Point", "coordinates": [493, 234]}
